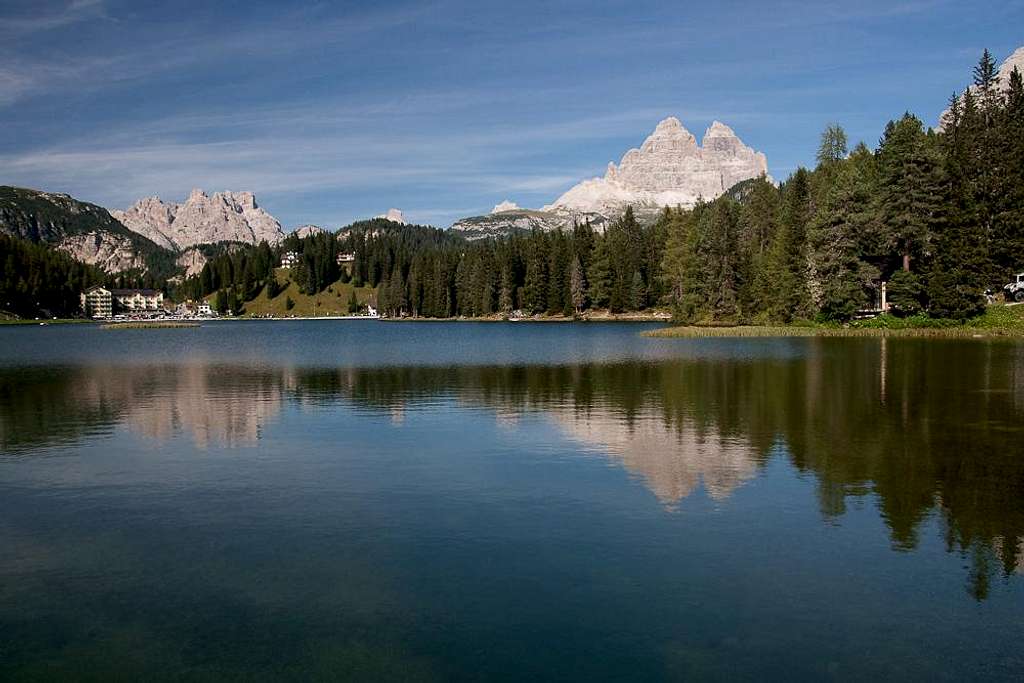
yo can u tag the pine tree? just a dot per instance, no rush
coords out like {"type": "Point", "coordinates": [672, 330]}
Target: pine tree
{"type": "Point", "coordinates": [783, 280]}
{"type": "Point", "coordinates": [843, 278]}
{"type": "Point", "coordinates": [680, 266]}
{"type": "Point", "coordinates": [636, 292]}
{"type": "Point", "coordinates": [578, 286]}
{"type": "Point", "coordinates": [912, 177]}
{"type": "Point", "coordinates": [221, 302]}
{"type": "Point", "coordinates": [600, 275]}
{"type": "Point", "coordinates": [506, 295]}
{"type": "Point", "coordinates": [833, 145]}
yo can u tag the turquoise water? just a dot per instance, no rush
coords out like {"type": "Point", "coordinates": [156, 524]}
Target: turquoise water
{"type": "Point", "coordinates": [379, 501]}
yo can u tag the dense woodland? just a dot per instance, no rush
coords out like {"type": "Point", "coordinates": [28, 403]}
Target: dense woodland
{"type": "Point", "coordinates": [38, 280]}
{"type": "Point", "coordinates": [937, 215]}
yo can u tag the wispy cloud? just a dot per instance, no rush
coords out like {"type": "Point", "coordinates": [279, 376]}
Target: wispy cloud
{"type": "Point", "coordinates": [172, 48]}
{"type": "Point", "coordinates": [41, 20]}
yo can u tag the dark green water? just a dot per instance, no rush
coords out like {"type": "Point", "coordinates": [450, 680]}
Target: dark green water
{"type": "Point", "coordinates": [372, 501]}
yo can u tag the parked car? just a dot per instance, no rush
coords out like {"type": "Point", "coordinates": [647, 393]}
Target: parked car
{"type": "Point", "coordinates": [1015, 290]}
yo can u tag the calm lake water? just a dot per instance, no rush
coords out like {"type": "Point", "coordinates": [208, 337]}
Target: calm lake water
{"type": "Point", "coordinates": [373, 501]}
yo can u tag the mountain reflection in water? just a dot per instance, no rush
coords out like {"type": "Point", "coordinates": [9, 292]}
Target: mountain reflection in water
{"type": "Point", "coordinates": [923, 428]}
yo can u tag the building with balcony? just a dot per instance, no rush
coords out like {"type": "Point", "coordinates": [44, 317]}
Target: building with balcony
{"type": "Point", "coordinates": [97, 302]}
{"type": "Point", "coordinates": [137, 300]}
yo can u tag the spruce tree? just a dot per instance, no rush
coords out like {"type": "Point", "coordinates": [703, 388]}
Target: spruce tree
{"type": "Point", "coordinates": [600, 282]}
{"type": "Point", "coordinates": [783, 280]}
{"type": "Point", "coordinates": [578, 286]}
{"type": "Point", "coordinates": [221, 302]}
{"type": "Point", "coordinates": [680, 267]}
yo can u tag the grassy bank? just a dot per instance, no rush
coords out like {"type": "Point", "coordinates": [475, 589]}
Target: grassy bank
{"type": "Point", "coordinates": [997, 321]}
{"type": "Point", "coordinates": [332, 301]}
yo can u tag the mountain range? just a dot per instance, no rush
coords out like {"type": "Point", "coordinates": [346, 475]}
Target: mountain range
{"type": "Point", "coordinates": [668, 169]}
{"type": "Point", "coordinates": [201, 219]}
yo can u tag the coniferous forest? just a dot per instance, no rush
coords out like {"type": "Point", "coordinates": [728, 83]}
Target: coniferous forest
{"type": "Point", "coordinates": [937, 215]}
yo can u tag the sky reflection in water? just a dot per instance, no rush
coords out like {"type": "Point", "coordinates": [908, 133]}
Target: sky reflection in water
{"type": "Point", "coordinates": [568, 501]}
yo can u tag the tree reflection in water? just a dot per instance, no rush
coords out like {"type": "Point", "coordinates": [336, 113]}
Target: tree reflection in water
{"type": "Point", "coordinates": [924, 427]}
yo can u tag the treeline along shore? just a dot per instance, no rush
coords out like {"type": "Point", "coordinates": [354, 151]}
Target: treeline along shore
{"type": "Point", "coordinates": [936, 215]}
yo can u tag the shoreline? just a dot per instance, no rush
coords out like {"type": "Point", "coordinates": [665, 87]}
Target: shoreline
{"type": "Point", "coordinates": [544, 318]}
{"type": "Point", "coordinates": [753, 331]}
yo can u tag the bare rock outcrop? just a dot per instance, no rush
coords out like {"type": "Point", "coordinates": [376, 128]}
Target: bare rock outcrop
{"type": "Point", "coordinates": [393, 215]}
{"type": "Point", "coordinates": [308, 231]}
{"type": "Point", "coordinates": [505, 206]}
{"type": "Point", "coordinates": [192, 260]}
{"type": "Point", "coordinates": [202, 219]}
{"type": "Point", "coordinates": [669, 169]}
{"type": "Point", "coordinates": [85, 231]}
{"type": "Point", "coordinates": [108, 251]}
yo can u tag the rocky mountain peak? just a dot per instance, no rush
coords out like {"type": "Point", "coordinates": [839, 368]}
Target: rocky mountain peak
{"type": "Point", "coordinates": [668, 169]}
{"type": "Point", "coordinates": [717, 129]}
{"type": "Point", "coordinates": [247, 200]}
{"type": "Point", "coordinates": [505, 206]}
{"type": "Point", "coordinates": [1014, 61]}
{"type": "Point", "coordinates": [393, 215]}
{"type": "Point", "coordinates": [201, 219]}
{"type": "Point", "coordinates": [308, 230]}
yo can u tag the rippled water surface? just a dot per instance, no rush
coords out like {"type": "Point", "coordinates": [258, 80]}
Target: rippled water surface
{"type": "Point", "coordinates": [373, 501]}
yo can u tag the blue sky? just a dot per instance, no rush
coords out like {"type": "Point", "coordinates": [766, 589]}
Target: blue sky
{"type": "Point", "coordinates": [333, 111]}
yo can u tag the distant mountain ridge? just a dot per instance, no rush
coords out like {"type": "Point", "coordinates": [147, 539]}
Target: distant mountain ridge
{"type": "Point", "coordinates": [202, 219]}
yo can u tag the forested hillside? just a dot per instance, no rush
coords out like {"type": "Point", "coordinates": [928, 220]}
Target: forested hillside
{"type": "Point", "coordinates": [36, 280]}
{"type": "Point", "coordinates": [86, 231]}
{"type": "Point", "coordinates": [938, 216]}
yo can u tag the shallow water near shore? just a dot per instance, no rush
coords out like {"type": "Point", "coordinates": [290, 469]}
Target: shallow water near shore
{"type": "Point", "coordinates": [371, 501]}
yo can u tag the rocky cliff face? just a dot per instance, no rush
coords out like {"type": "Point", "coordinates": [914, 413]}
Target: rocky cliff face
{"type": "Point", "coordinates": [202, 219]}
{"type": "Point", "coordinates": [669, 169]}
{"type": "Point", "coordinates": [110, 252]}
{"type": "Point", "coordinates": [85, 231]}
{"type": "Point", "coordinates": [192, 260]}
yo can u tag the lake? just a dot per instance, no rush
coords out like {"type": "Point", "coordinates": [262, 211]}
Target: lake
{"type": "Point", "coordinates": [484, 501]}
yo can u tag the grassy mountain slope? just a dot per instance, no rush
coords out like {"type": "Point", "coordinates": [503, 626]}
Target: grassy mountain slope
{"type": "Point", "coordinates": [331, 301]}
